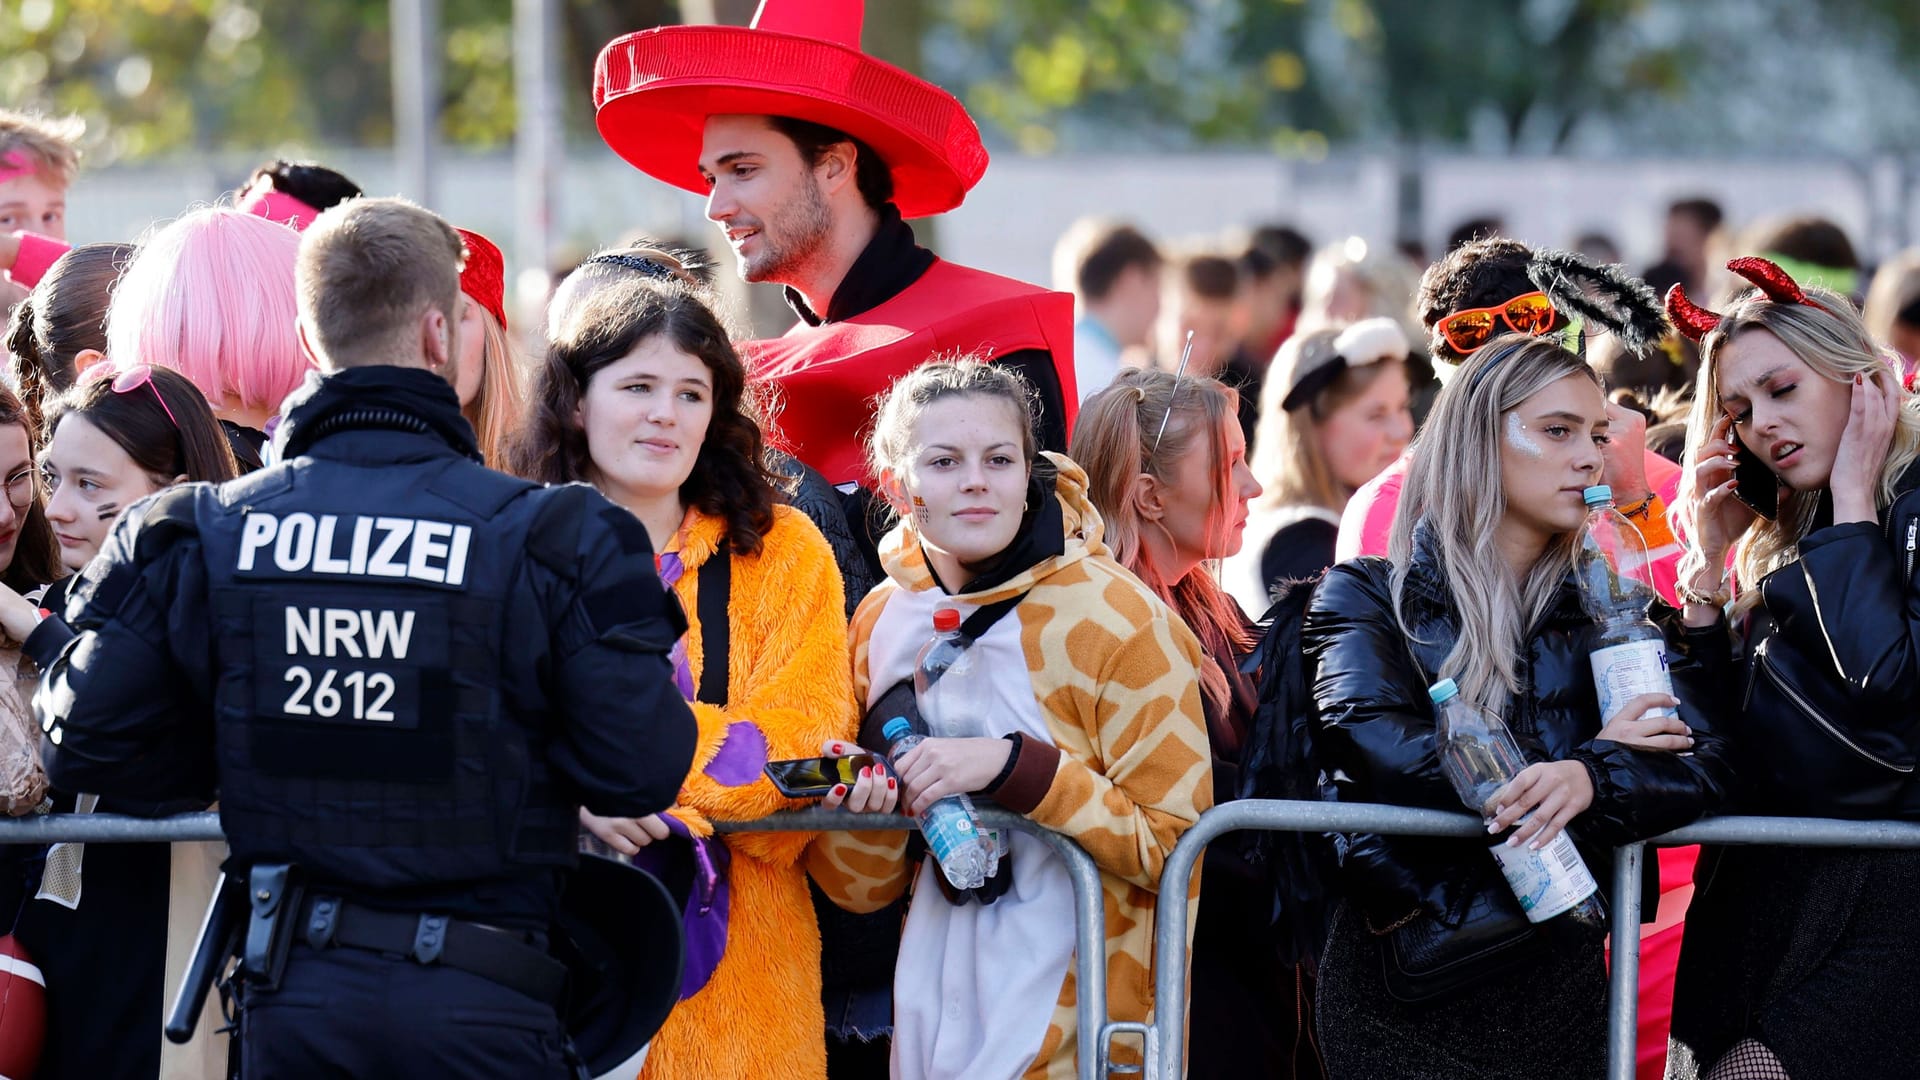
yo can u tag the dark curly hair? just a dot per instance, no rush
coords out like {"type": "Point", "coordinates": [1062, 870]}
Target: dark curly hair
{"type": "Point", "coordinates": [729, 480]}
{"type": "Point", "coordinates": [1479, 273]}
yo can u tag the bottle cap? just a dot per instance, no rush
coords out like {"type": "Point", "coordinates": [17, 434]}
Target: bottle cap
{"type": "Point", "coordinates": [1597, 495]}
{"type": "Point", "coordinates": [946, 620]}
{"type": "Point", "coordinates": [895, 728]}
{"type": "Point", "coordinates": [1443, 691]}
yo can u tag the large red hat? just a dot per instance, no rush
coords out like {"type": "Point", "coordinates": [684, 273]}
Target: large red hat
{"type": "Point", "coordinates": [801, 58]}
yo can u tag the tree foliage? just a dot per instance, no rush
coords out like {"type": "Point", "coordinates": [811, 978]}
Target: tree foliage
{"type": "Point", "coordinates": [1295, 76]}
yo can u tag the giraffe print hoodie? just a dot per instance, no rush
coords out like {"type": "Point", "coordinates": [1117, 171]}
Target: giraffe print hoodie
{"type": "Point", "coordinates": [1100, 678]}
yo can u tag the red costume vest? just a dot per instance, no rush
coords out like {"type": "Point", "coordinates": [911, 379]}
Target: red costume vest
{"type": "Point", "coordinates": [829, 375]}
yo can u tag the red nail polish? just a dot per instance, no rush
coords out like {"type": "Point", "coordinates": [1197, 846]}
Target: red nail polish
{"type": "Point", "coordinates": [890, 783]}
{"type": "Point", "coordinates": [838, 749]}
{"type": "Point", "coordinates": [840, 789]}
{"type": "Point", "coordinates": [864, 770]}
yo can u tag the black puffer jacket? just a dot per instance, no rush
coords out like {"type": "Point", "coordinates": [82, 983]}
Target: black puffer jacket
{"type": "Point", "coordinates": [1830, 723]}
{"type": "Point", "coordinates": [1376, 727]}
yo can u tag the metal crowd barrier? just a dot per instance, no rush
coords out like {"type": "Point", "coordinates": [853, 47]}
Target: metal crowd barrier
{"type": "Point", "coordinates": [1166, 1043]}
{"type": "Point", "coordinates": [1090, 914]}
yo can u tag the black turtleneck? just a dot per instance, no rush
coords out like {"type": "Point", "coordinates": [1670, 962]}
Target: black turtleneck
{"type": "Point", "coordinates": [891, 262]}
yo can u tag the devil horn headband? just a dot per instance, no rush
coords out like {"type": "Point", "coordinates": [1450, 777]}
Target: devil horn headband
{"type": "Point", "coordinates": [1774, 283]}
{"type": "Point", "coordinates": [1688, 317]}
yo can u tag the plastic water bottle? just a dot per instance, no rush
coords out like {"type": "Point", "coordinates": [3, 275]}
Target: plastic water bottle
{"type": "Point", "coordinates": [951, 827]}
{"type": "Point", "coordinates": [948, 697]}
{"type": "Point", "coordinates": [1629, 653]}
{"type": "Point", "coordinates": [1479, 757]}
{"type": "Point", "coordinates": [942, 681]}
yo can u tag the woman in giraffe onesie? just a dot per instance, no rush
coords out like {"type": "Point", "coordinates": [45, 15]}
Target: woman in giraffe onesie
{"type": "Point", "coordinates": [1091, 723]}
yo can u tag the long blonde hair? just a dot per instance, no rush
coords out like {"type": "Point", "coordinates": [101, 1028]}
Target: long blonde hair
{"type": "Point", "coordinates": [498, 406]}
{"type": "Point", "coordinates": [1835, 344]}
{"type": "Point", "coordinates": [1454, 486]}
{"type": "Point", "coordinates": [1114, 440]}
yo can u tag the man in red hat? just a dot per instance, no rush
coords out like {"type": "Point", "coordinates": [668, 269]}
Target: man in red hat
{"type": "Point", "coordinates": [811, 154]}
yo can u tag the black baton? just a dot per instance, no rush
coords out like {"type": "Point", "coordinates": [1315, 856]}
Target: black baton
{"type": "Point", "coordinates": [219, 938]}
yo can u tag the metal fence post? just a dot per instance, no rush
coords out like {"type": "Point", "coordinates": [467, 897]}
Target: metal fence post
{"type": "Point", "coordinates": [1623, 992]}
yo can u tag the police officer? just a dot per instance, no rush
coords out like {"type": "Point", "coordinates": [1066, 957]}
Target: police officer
{"type": "Point", "coordinates": [401, 673]}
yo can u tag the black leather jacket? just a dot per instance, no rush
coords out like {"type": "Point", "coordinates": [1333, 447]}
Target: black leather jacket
{"type": "Point", "coordinates": [1376, 732]}
{"type": "Point", "coordinates": [1830, 723]}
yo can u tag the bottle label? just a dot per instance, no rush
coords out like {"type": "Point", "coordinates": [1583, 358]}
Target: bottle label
{"type": "Point", "coordinates": [1624, 672]}
{"type": "Point", "coordinates": [1549, 881]}
{"type": "Point", "coordinates": [947, 831]}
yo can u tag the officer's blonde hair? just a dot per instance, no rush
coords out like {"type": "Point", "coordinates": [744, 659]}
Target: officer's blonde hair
{"type": "Point", "coordinates": [367, 270]}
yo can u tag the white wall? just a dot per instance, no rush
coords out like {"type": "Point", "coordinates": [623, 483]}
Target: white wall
{"type": "Point", "coordinates": [1011, 220]}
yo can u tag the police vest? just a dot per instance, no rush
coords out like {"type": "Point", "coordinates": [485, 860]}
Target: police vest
{"type": "Point", "coordinates": [361, 724]}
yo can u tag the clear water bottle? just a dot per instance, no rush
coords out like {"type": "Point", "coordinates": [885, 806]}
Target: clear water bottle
{"type": "Point", "coordinates": [1629, 653]}
{"type": "Point", "coordinates": [951, 827]}
{"type": "Point", "coordinates": [1478, 755]}
{"type": "Point", "coordinates": [943, 683]}
{"type": "Point", "coordinates": [948, 697]}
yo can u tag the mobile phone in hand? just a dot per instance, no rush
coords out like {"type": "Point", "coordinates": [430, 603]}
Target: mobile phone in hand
{"type": "Point", "coordinates": [810, 778]}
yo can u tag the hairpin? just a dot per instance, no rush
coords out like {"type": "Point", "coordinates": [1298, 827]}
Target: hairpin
{"type": "Point", "coordinates": [1185, 355]}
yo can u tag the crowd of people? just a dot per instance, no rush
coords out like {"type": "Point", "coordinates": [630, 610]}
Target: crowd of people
{"type": "Point", "coordinates": [691, 553]}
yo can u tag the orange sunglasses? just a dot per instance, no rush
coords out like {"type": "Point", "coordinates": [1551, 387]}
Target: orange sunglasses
{"type": "Point", "coordinates": [1528, 313]}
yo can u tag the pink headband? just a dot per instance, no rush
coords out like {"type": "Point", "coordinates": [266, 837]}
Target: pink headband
{"type": "Point", "coordinates": [278, 206]}
{"type": "Point", "coordinates": [16, 165]}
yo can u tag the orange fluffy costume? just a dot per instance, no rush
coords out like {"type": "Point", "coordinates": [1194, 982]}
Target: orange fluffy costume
{"type": "Point", "coordinates": [751, 999]}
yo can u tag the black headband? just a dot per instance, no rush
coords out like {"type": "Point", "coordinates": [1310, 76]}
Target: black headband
{"type": "Point", "coordinates": [639, 263]}
{"type": "Point", "coordinates": [1313, 382]}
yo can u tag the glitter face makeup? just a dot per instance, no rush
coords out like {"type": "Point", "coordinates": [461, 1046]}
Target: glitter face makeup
{"type": "Point", "coordinates": [1521, 439]}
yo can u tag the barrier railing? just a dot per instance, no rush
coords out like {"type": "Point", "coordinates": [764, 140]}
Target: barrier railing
{"type": "Point", "coordinates": [1167, 1045]}
{"type": "Point", "coordinates": [1090, 916]}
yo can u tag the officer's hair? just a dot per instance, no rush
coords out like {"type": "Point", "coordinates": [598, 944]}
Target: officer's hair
{"type": "Point", "coordinates": [210, 295]}
{"type": "Point", "coordinates": [601, 326]}
{"type": "Point", "coordinates": [181, 437]}
{"type": "Point", "coordinates": [368, 269]}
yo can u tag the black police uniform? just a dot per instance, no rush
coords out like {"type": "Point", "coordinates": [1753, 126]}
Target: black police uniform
{"type": "Point", "coordinates": [403, 673]}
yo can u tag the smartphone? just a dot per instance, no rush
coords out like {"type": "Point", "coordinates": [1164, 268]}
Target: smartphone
{"type": "Point", "coordinates": [809, 778]}
{"type": "Point", "coordinates": [1758, 487]}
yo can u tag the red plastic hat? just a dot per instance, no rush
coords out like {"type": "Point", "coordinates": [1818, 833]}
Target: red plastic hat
{"type": "Point", "coordinates": [485, 277]}
{"type": "Point", "coordinates": [801, 58]}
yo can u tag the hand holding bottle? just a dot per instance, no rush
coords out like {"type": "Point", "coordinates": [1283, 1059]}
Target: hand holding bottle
{"type": "Point", "coordinates": [938, 768]}
{"type": "Point", "coordinates": [1662, 730]}
{"type": "Point", "coordinates": [1552, 792]}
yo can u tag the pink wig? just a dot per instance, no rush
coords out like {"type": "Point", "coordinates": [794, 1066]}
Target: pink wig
{"type": "Point", "coordinates": [211, 296]}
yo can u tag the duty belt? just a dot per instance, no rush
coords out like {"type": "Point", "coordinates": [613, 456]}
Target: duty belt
{"type": "Point", "coordinates": [486, 951]}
